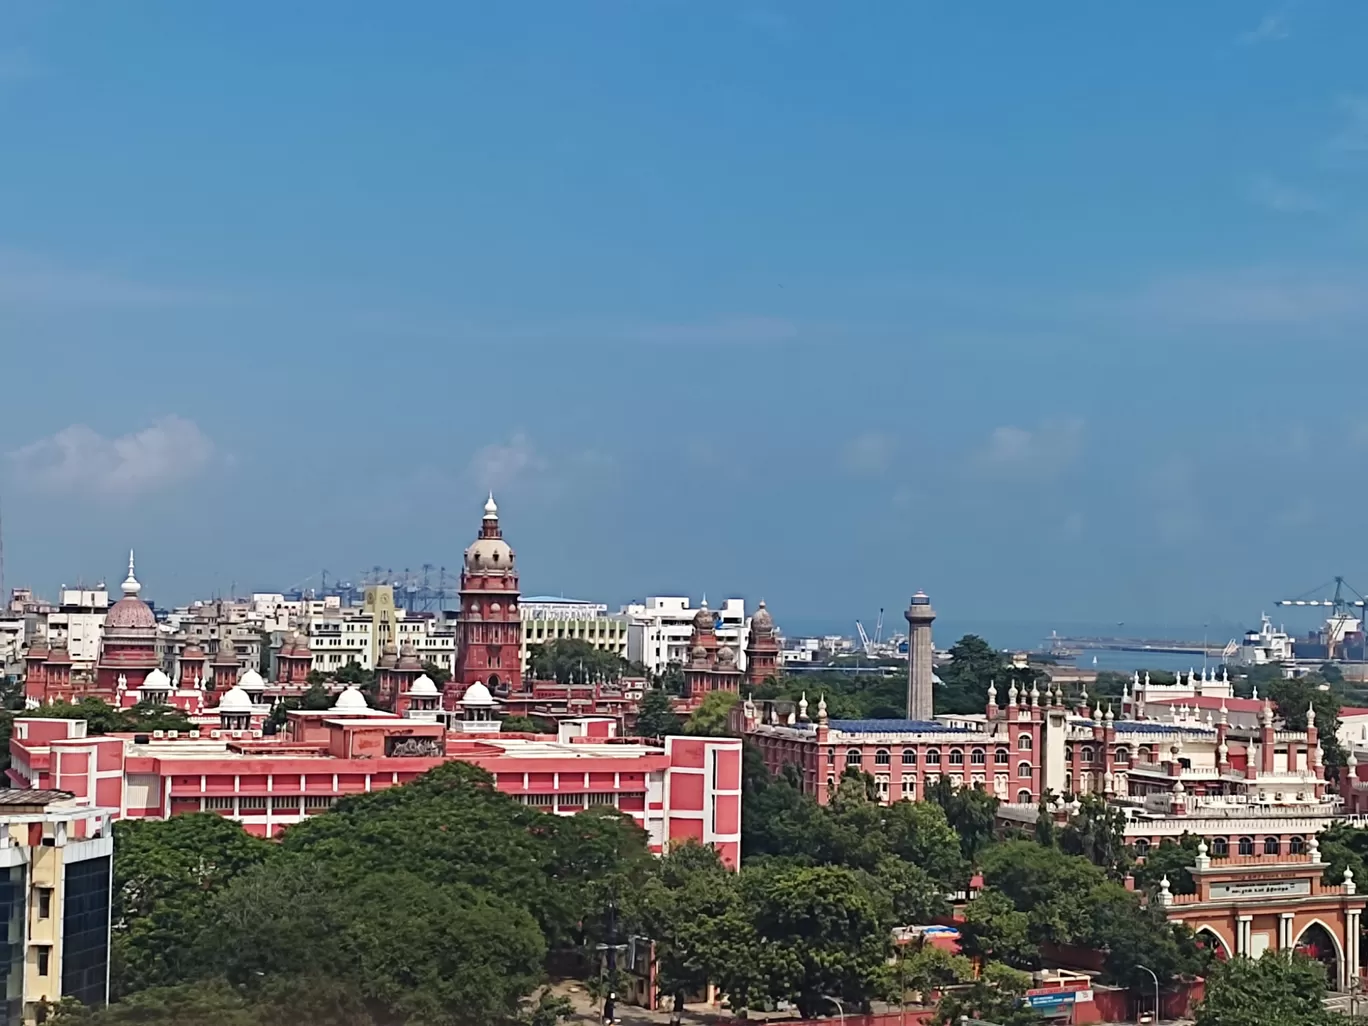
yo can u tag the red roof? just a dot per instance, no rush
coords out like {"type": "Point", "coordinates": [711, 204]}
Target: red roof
{"type": "Point", "coordinates": [1213, 702]}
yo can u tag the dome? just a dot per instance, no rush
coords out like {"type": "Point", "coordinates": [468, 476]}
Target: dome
{"type": "Point", "coordinates": [351, 700]}
{"type": "Point", "coordinates": [156, 681]}
{"type": "Point", "coordinates": [477, 694]}
{"type": "Point", "coordinates": [762, 621]}
{"type": "Point", "coordinates": [235, 701]}
{"type": "Point", "coordinates": [192, 651]}
{"type": "Point", "coordinates": [389, 656]}
{"type": "Point", "coordinates": [301, 645]}
{"type": "Point", "coordinates": [130, 611]}
{"type": "Point", "coordinates": [227, 653]}
{"type": "Point", "coordinates": [489, 555]}
{"type": "Point", "coordinates": [251, 681]}
{"type": "Point", "coordinates": [704, 620]}
{"type": "Point", "coordinates": [424, 687]}
{"type": "Point", "coordinates": [408, 657]}
{"type": "Point", "coordinates": [726, 655]}
{"type": "Point", "coordinates": [699, 652]}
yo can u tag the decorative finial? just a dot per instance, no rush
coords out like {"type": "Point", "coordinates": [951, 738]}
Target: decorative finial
{"type": "Point", "coordinates": [491, 508]}
{"type": "Point", "coordinates": [1256, 693]}
{"type": "Point", "coordinates": [803, 707]}
{"type": "Point", "coordinates": [1310, 715]}
{"type": "Point", "coordinates": [130, 584]}
{"type": "Point", "coordinates": [992, 693]}
{"type": "Point", "coordinates": [821, 709]}
{"type": "Point", "coordinates": [1349, 886]}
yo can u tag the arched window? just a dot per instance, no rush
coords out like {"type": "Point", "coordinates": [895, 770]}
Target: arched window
{"type": "Point", "coordinates": [909, 789]}
{"type": "Point", "coordinates": [1122, 756]}
{"type": "Point", "coordinates": [831, 757]}
{"type": "Point", "coordinates": [977, 757]}
{"type": "Point", "coordinates": [1024, 797]}
{"type": "Point", "coordinates": [1087, 755]}
{"type": "Point", "coordinates": [881, 757]}
{"type": "Point", "coordinates": [1024, 769]}
{"type": "Point", "coordinates": [1246, 846]}
{"type": "Point", "coordinates": [831, 783]}
{"type": "Point", "coordinates": [1068, 753]}
{"type": "Point", "coordinates": [1146, 753]}
{"type": "Point", "coordinates": [1220, 848]}
{"type": "Point", "coordinates": [1271, 846]}
{"type": "Point", "coordinates": [1296, 846]}
{"type": "Point", "coordinates": [1024, 743]}
{"type": "Point", "coordinates": [853, 758]}
{"type": "Point", "coordinates": [956, 757]}
{"type": "Point", "coordinates": [909, 756]}
{"type": "Point", "coordinates": [1141, 847]}
{"type": "Point", "coordinates": [933, 756]}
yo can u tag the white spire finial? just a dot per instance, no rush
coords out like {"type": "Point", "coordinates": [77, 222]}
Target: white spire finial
{"type": "Point", "coordinates": [1256, 692]}
{"type": "Point", "coordinates": [821, 708]}
{"type": "Point", "coordinates": [1311, 715]}
{"type": "Point", "coordinates": [491, 509]}
{"type": "Point", "coordinates": [130, 584]}
{"type": "Point", "coordinates": [992, 692]}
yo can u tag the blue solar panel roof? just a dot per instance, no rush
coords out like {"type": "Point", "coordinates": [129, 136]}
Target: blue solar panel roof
{"type": "Point", "coordinates": [894, 727]}
{"type": "Point", "coordinates": [1160, 728]}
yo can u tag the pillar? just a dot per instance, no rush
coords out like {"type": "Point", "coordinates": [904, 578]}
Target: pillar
{"type": "Point", "coordinates": [1285, 931]}
{"type": "Point", "coordinates": [920, 668]}
{"type": "Point", "coordinates": [1351, 947]}
{"type": "Point", "coordinates": [1243, 935]}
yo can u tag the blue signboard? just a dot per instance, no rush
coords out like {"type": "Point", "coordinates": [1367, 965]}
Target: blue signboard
{"type": "Point", "coordinates": [1052, 1003]}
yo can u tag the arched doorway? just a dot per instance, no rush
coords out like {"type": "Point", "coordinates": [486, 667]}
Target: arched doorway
{"type": "Point", "coordinates": [1209, 940]}
{"type": "Point", "coordinates": [1319, 943]}
{"type": "Point", "coordinates": [493, 681]}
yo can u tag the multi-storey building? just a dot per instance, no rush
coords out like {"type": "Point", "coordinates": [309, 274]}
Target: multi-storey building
{"type": "Point", "coordinates": [78, 624]}
{"type": "Point", "coordinates": [489, 624]}
{"type": "Point", "coordinates": [546, 618]}
{"type": "Point", "coordinates": [660, 630]}
{"type": "Point", "coordinates": [687, 789]}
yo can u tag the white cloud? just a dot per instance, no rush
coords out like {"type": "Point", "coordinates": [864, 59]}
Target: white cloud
{"type": "Point", "coordinates": [500, 464]}
{"type": "Point", "coordinates": [79, 461]}
{"type": "Point", "coordinates": [1270, 29]}
{"type": "Point", "coordinates": [870, 454]}
{"type": "Point", "coordinates": [1046, 451]}
{"type": "Point", "coordinates": [1282, 198]}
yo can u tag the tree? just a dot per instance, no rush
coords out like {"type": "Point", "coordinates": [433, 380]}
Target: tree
{"type": "Point", "coordinates": [1172, 861]}
{"type": "Point", "coordinates": [103, 718]}
{"type": "Point", "coordinates": [995, 997]}
{"type": "Point", "coordinates": [1277, 989]}
{"type": "Point", "coordinates": [1131, 935]}
{"type": "Point", "coordinates": [1097, 831]}
{"type": "Point", "coordinates": [165, 872]}
{"type": "Point", "coordinates": [527, 724]}
{"type": "Point", "coordinates": [439, 674]}
{"type": "Point", "coordinates": [826, 933]}
{"type": "Point", "coordinates": [1293, 697]}
{"type": "Point", "coordinates": [970, 811]}
{"type": "Point", "coordinates": [711, 718]}
{"type": "Point", "coordinates": [974, 664]}
{"type": "Point", "coordinates": [574, 661]}
{"type": "Point", "coordinates": [993, 928]}
{"type": "Point", "coordinates": [655, 715]}
{"type": "Point", "coordinates": [932, 968]}
{"type": "Point", "coordinates": [670, 680]}
{"type": "Point", "coordinates": [1052, 888]}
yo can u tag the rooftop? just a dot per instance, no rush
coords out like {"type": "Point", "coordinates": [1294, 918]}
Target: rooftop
{"type": "Point", "coordinates": [27, 797]}
{"type": "Point", "coordinates": [896, 727]}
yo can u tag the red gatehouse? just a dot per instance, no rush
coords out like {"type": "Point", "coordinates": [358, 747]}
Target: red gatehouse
{"type": "Point", "coordinates": [1246, 905]}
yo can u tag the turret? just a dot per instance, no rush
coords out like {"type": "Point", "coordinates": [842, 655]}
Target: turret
{"type": "Point", "coordinates": [992, 709]}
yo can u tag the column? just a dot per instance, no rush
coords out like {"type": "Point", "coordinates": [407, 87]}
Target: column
{"type": "Point", "coordinates": [1243, 934]}
{"type": "Point", "coordinates": [1285, 931]}
{"type": "Point", "coordinates": [1351, 947]}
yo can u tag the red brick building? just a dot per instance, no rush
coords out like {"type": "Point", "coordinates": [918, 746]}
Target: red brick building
{"type": "Point", "coordinates": [489, 626]}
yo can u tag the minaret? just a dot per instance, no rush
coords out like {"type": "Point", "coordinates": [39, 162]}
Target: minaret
{"type": "Point", "coordinates": [919, 616]}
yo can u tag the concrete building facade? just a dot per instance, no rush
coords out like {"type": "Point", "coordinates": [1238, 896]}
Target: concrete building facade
{"type": "Point", "coordinates": [547, 618]}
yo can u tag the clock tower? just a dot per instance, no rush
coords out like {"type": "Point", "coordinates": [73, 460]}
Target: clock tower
{"type": "Point", "coordinates": [489, 625]}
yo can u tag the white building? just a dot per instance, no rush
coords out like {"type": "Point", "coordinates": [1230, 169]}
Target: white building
{"type": "Point", "coordinates": [659, 629]}
{"type": "Point", "coordinates": [341, 636]}
{"type": "Point", "coordinates": [548, 618]}
{"type": "Point", "coordinates": [79, 621]}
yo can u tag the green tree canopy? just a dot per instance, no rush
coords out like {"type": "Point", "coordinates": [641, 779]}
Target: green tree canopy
{"type": "Point", "coordinates": [655, 715]}
{"type": "Point", "coordinates": [103, 718]}
{"type": "Point", "coordinates": [711, 717]}
{"type": "Point", "coordinates": [574, 661]}
{"type": "Point", "coordinates": [1277, 989]}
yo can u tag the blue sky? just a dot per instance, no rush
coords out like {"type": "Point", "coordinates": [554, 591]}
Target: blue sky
{"type": "Point", "coordinates": [1056, 312]}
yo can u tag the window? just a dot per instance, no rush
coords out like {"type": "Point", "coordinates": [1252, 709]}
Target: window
{"type": "Point", "coordinates": [1023, 769]}
{"type": "Point", "coordinates": [909, 756]}
{"type": "Point", "coordinates": [44, 902]}
{"type": "Point", "coordinates": [1296, 846]}
{"type": "Point", "coordinates": [1024, 797]}
{"type": "Point", "coordinates": [1142, 847]}
{"type": "Point", "coordinates": [1246, 846]}
{"type": "Point", "coordinates": [1272, 846]}
{"type": "Point", "coordinates": [252, 803]}
{"type": "Point", "coordinates": [602, 798]}
{"type": "Point", "coordinates": [909, 790]}
{"type": "Point", "coordinates": [853, 758]}
{"type": "Point", "coordinates": [1024, 743]}
{"type": "Point", "coordinates": [288, 803]}
{"type": "Point", "coordinates": [43, 957]}
{"type": "Point", "coordinates": [1122, 756]}
{"type": "Point", "coordinates": [933, 756]}
{"type": "Point", "coordinates": [1002, 757]}
{"type": "Point", "coordinates": [319, 801]}
{"type": "Point", "coordinates": [1068, 753]}
{"type": "Point", "coordinates": [977, 757]}
{"type": "Point", "coordinates": [831, 757]}
{"type": "Point", "coordinates": [219, 803]}
{"type": "Point", "coordinates": [956, 757]}
{"type": "Point", "coordinates": [1087, 755]}
{"type": "Point", "coordinates": [1219, 847]}
{"type": "Point", "coordinates": [881, 757]}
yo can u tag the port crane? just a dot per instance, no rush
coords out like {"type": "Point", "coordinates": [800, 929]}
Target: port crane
{"type": "Point", "coordinates": [865, 641]}
{"type": "Point", "coordinates": [1342, 616]}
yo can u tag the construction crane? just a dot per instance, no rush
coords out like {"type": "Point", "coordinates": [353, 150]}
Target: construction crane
{"type": "Point", "coordinates": [865, 643]}
{"type": "Point", "coordinates": [878, 627]}
{"type": "Point", "coordinates": [1342, 616]}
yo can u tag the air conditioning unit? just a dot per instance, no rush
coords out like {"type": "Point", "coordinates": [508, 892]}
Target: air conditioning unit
{"type": "Point", "coordinates": [159, 733]}
{"type": "Point", "coordinates": [215, 734]}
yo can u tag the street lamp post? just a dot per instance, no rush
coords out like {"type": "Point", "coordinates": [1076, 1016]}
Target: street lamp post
{"type": "Point", "coordinates": [1157, 1011]}
{"type": "Point", "coordinates": [840, 1009]}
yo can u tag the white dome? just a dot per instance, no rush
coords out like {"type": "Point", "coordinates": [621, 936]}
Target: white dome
{"type": "Point", "coordinates": [236, 701]}
{"type": "Point", "coordinates": [351, 700]}
{"type": "Point", "coordinates": [251, 681]}
{"type": "Point", "coordinates": [489, 556]}
{"type": "Point", "coordinates": [156, 681]}
{"type": "Point", "coordinates": [477, 694]}
{"type": "Point", "coordinates": [424, 686]}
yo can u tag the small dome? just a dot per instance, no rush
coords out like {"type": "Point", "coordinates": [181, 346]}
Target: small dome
{"type": "Point", "coordinates": [699, 652]}
{"type": "Point", "coordinates": [251, 681]}
{"type": "Point", "coordinates": [491, 510]}
{"type": "Point", "coordinates": [489, 556]}
{"type": "Point", "coordinates": [235, 701]}
{"type": "Point", "coordinates": [389, 656]}
{"type": "Point", "coordinates": [408, 657]}
{"type": "Point", "coordinates": [156, 681]}
{"type": "Point", "coordinates": [301, 645]}
{"type": "Point", "coordinates": [130, 612]}
{"type": "Point", "coordinates": [351, 700]}
{"type": "Point", "coordinates": [477, 694]}
{"type": "Point", "coordinates": [704, 620]}
{"type": "Point", "coordinates": [227, 652]}
{"type": "Point", "coordinates": [424, 687]}
{"type": "Point", "coordinates": [762, 621]}
{"type": "Point", "coordinates": [192, 651]}
{"type": "Point", "coordinates": [726, 655]}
